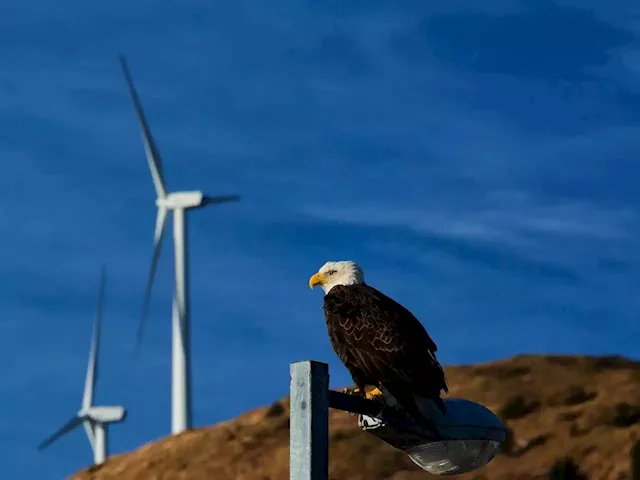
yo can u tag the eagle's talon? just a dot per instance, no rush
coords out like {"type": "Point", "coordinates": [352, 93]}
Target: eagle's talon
{"type": "Point", "coordinates": [373, 394]}
{"type": "Point", "coordinates": [352, 391]}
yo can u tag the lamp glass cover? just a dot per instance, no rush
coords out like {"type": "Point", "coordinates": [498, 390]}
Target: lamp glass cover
{"type": "Point", "coordinates": [453, 456]}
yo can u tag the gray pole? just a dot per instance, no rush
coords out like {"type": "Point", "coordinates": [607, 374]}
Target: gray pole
{"type": "Point", "coordinates": [309, 426]}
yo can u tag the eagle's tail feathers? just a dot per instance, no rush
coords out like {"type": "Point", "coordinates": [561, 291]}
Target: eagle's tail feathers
{"type": "Point", "coordinates": [408, 402]}
{"type": "Point", "coordinates": [439, 403]}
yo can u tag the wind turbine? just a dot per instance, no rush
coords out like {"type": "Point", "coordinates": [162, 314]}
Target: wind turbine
{"type": "Point", "coordinates": [178, 203]}
{"type": "Point", "coordinates": [94, 419]}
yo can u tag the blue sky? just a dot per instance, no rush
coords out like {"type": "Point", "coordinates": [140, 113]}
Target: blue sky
{"type": "Point", "coordinates": [478, 159]}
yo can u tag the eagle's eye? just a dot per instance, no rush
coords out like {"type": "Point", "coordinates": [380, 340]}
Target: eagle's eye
{"type": "Point", "coordinates": [330, 272]}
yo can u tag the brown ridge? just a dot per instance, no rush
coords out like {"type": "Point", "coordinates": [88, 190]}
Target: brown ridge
{"type": "Point", "coordinates": [585, 408]}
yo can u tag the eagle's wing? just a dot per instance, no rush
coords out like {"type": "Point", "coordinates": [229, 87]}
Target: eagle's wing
{"type": "Point", "coordinates": [385, 340]}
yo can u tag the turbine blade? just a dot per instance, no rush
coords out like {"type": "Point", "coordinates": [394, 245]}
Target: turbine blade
{"type": "Point", "coordinates": [92, 367]}
{"type": "Point", "coordinates": [161, 221]}
{"type": "Point", "coordinates": [66, 428]}
{"type": "Point", "coordinates": [88, 427]}
{"type": "Point", "coordinates": [151, 150]}
{"type": "Point", "coordinates": [207, 200]}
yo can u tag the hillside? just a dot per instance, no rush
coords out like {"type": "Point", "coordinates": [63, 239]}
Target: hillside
{"type": "Point", "coordinates": [584, 407]}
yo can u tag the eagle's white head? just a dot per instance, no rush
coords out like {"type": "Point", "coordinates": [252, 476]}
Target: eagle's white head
{"type": "Point", "coordinates": [337, 273]}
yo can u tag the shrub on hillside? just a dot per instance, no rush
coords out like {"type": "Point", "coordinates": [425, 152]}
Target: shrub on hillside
{"type": "Point", "coordinates": [621, 415]}
{"type": "Point", "coordinates": [635, 461]}
{"type": "Point", "coordinates": [565, 469]}
{"type": "Point", "coordinates": [518, 407]}
{"type": "Point", "coordinates": [508, 446]}
{"type": "Point", "coordinates": [574, 395]}
{"type": "Point", "coordinates": [275, 409]}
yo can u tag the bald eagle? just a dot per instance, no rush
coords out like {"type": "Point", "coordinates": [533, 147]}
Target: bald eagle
{"type": "Point", "coordinates": [381, 343]}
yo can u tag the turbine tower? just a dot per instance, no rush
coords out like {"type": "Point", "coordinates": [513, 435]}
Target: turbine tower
{"type": "Point", "coordinates": [94, 419]}
{"type": "Point", "coordinates": [178, 203]}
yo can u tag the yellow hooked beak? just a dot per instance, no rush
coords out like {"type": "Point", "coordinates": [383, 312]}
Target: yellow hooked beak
{"type": "Point", "coordinates": [316, 279]}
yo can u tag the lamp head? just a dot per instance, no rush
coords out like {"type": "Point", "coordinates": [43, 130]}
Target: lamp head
{"type": "Point", "coordinates": [470, 436]}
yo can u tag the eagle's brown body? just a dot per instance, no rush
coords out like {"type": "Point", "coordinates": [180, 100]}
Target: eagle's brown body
{"type": "Point", "coordinates": [383, 344]}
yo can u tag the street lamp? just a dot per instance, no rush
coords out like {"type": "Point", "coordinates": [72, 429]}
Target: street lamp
{"type": "Point", "coordinates": [470, 434]}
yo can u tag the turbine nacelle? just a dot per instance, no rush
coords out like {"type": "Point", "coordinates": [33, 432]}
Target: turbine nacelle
{"type": "Point", "coordinates": [182, 200]}
{"type": "Point", "coordinates": [193, 199]}
{"type": "Point", "coordinates": [103, 414]}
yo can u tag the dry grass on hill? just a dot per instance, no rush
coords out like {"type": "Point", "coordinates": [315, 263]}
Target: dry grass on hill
{"type": "Point", "coordinates": [586, 408]}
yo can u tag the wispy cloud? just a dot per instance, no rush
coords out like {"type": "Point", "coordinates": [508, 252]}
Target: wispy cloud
{"type": "Point", "coordinates": [508, 219]}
